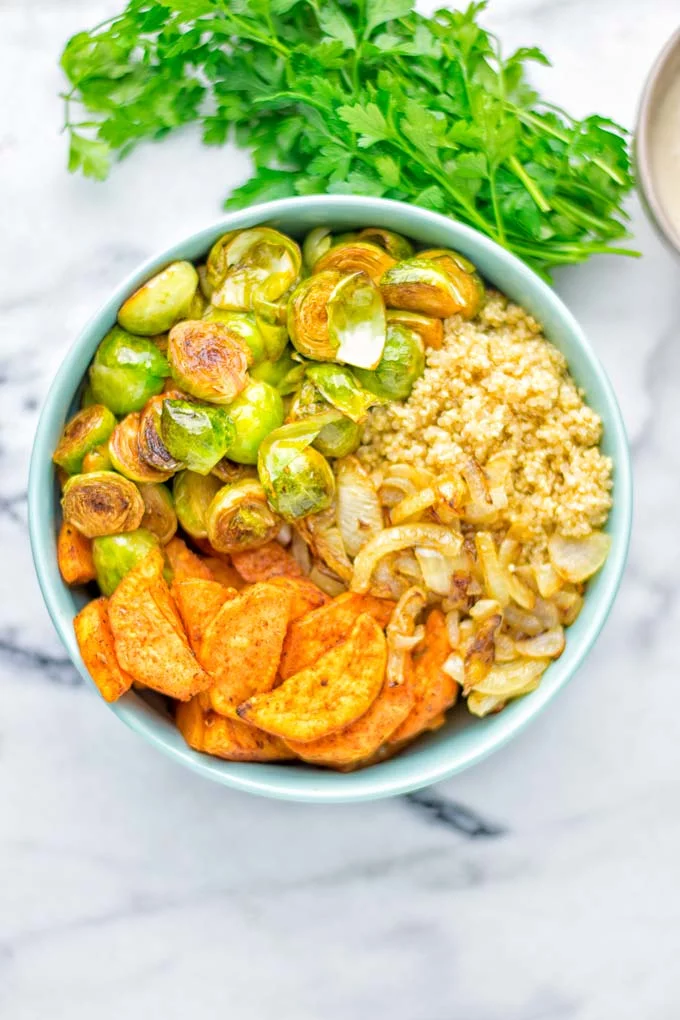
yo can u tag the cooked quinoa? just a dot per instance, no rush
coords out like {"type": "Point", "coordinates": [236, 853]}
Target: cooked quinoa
{"type": "Point", "coordinates": [498, 386]}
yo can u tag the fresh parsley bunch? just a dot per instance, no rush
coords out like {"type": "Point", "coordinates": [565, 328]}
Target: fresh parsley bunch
{"type": "Point", "coordinates": [356, 97]}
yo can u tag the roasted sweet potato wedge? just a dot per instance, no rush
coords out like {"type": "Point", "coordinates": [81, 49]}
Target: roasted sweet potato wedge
{"type": "Point", "coordinates": [433, 690]}
{"type": "Point", "coordinates": [227, 738]}
{"type": "Point", "coordinates": [224, 572]}
{"type": "Point", "coordinates": [74, 555]}
{"type": "Point", "coordinates": [95, 640]}
{"type": "Point", "coordinates": [304, 595]}
{"type": "Point", "coordinates": [329, 695]}
{"type": "Point", "coordinates": [149, 638]}
{"type": "Point", "coordinates": [199, 602]}
{"type": "Point", "coordinates": [315, 633]}
{"type": "Point", "coordinates": [241, 648]}
{"type": "Point", "coordinates": [363, 738]}
{"type": "Point", "coordinates": [270, 560]}
{"type": "Point", "coordinates": [184, 563]}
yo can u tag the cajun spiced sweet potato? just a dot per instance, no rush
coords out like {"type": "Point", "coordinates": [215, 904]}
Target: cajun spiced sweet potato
{"type": "Point", "coordinates": [329, 695]}
{"type": "Point", "coordinates": [270, 560]}
{"type": "Point", "coordinates": [199, 602]}
{"type": "Point", "coordinates": [149, 638]}
{"type": "Point", "coordinates": [74, 555]}
{"type": "Point", "coordinates": [434, 690]}
{"type": "Point", "coordinates": [242, 646]}
{"type": "Point", "coordinates": [184, 563]}
{"type": "Point", "coordinates": [315, 633]}
{"type": "Point", "coordinates": [304, 595]}
{"type": "Point", "coordinates": [227, 738]}
{"type": "Point", "coordinates": [95, 640]}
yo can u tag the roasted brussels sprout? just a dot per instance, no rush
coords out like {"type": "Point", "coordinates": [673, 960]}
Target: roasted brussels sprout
{"type": "Point", "coordinates": [421, 285]}
{"type": "Point", "coordinates": [340, 388]}
{"type": "Point", "coordinates": [316, 243]}
{"type": "Point", "coordinates": [255, 413]}
{"type": "Point", "coordinates": [229, 472]}
{"type": "Point", "coordinates": [152, 448]}
{"type": "Point", "coordinates": [115, 555]}
{"type": "Point", "coordinates": [339, 438]}
{"type": "Point", "coordinates": [197, 435]}
{"type": "Point", "coordinates": [127, 370]}
{"type": "Point", "coordinates": [394, 244]}
{"type": "Point", "coordinates": [244, 327]}
{"type": "Point", "coordinates": [332, 317]}
{"type": "Point", "coordinates": [462, 274]}
{"type": "Point", "coordinates": [403, 362]}
{"type": "Point", "coordinates": [248, 262]}
{"type": "Point", "coordinates": [161, 301]}
{"type": "Point", "coordinates": [87, 397]}
{"type": "Point", "coordinates": [271, 318]}
{"type": "Point", "coordinates": [204, 285]}
{"type": "Point", "coordinates": [102, 503]}
{"type": "Point", "coordinates": [208, 360]}
{"type": "Point", "coordinates": [97, 459]}
{"type": "Point", "coordinates": [85, 430]}
{"type": "Point", "coordinates": [159, 511]}
{"type": "Point", "coordinates": [239, 517]}
{"type": "Point", "coordinates": [193, 494]}
{"type": "Point", "coordinates": [284, 374]}
{"type": "Point", "coordinates": [356, 257]}
{"type": "Point", "coordinates": [126, 455]}
{"type": "Point", "coordinates": [297, 479]}
{"type": "Point", "coordinates": [430, 331]}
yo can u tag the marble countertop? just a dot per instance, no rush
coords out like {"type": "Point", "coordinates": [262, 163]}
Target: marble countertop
{"type": "Point", "coordinates": [540, 885]}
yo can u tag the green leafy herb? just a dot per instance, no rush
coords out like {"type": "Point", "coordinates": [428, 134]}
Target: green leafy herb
{"type": "Point", "coordinates": [356, 96]}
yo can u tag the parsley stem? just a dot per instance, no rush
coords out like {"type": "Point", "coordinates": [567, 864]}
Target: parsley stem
{"type": "Point", "coordinates": [537, 122]}
{"type": "Point", "coordinates": [530, 184]}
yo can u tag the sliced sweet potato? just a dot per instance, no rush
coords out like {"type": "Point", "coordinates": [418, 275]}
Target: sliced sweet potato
{"type": "Point", "coordinates": [241, 648]}
{"type": "Point", "coordinates": [361, 741]}
{"type": "Point", "coordinates": [304, 595]}
{"type": "Point", "coordinates": [434, 690]}
{"type": "Point", "coordinates": [315, 633]}
{"type": "Point", "coordinates": [270, 560]}
{"type": "Point", "coordinates": [148, 635]}
{"type": "Point", "coordinates": [95, 640]}
{"type": "Point", "coordinates": [184, 563]}
{"type": "Point", "coordinates": [227, 738]}
{"type": "Point", "coordinates": [327, 696]}
{"type": "Point", "coordinates": [224, 572]}
{"type": "Point", "coordinates": [199, 602]}
{"type": "Point", "coordinates": [74, 555]}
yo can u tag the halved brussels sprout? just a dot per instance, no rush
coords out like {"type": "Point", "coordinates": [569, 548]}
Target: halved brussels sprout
{"type": "Point", "coordinates": [208, 360]}
{"type": "Point", "coordinates": [244, 326]}
{"type": "Point", "coordinates": [196, 434]}
{"type": "Point", "coordinates": [403, 362]}
{"type": "Point", "coordinates": [102, 503]}
{"type": "Point", "coordinates": [126, 371]}
{"type": "Point", "coordinates": [196, 310]}
{"type": "Point", "coordinates": [255, 413]}
{"type": "Point", "coordinates": [284, 374]}
{"type": "Point", "coordinates": [85, 430]}
{"type": "Point", "coordinates": [87, 397]}
{"type": "Point", "coordinates": [421, 285]}
{"type": "Point", "coordinates": [340, 388]}
{"type": "Point", "coordinates": [229, 472]}
{"type": "Point", "coordinates": [316, 243]}
{"type": "Point", "coordinates": [338, 318]}
{"type": "Point", "coordinates": [248, 262]}
{"type": "Point", "coordinates": [161, 301]}
{"type": "Point", "coordinates": [430, 331]}
{"type": "Point", "coordinates": [239, 517]}
{"type": "Point", "coordinates": [193, 495]}
{"type": "Point", "coordinates": [271, 317]}
{"type": "Point", "coordinates": [159, 511]}
{"type": "Point", "coordinates": [152, 448]}
{"type": "Point", "coordinates": [462, 274]}
{"type": "Point", "coordinates": [337, 439]}
{"type": "Point", "coordinates": [356, 257]}
{"type": "Point", "coordinates": [394, 244]}
{"type": "Point", "coordinates": [97, 459]}
{"type": "Point", "coordinates": [115, 555]}
{"type": "Point", "coordinates": [297, 479]}
{"type": "Point", "coordinates": [126, 455]}
{"type": "Point", "coordinates": [204, 285]}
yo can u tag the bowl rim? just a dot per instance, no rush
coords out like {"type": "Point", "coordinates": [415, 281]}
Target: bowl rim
{"type": "Point", "coordinates": [374, 784]}
{"type": "Point", "coordinates": [643, 129]}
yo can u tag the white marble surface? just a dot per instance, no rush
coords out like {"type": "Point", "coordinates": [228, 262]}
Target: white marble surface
{"type": "Point", "coordinates": [541, 885]}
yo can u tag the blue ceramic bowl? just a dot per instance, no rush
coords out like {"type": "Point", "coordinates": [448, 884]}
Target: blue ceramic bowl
{"type": "Point", "coordinates": [464, 740]}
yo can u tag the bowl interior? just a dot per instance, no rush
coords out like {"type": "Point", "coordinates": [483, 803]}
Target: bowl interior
{"type": "Point", "coordinates": [463, 740]}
